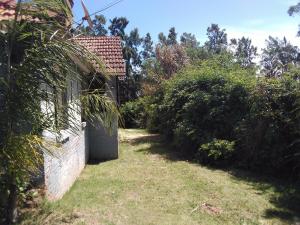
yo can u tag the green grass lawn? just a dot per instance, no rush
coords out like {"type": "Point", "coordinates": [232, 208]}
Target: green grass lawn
{"type": "Point", "coordinates": [150, 185]}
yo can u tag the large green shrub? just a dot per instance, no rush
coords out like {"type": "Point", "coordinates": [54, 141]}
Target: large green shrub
{"type": "Point", "coordinates": [221, 114]}
{"type": "Point", "coordinates": [133, 114]}
{"type": "Point", "coordinates": [218, 100]}
{"type": "Point", "coordinates": [206, 102]}
{"type": "Point", "coordinates": [143, 113]}
{"type": "Point", "coordinates": [269, 136]}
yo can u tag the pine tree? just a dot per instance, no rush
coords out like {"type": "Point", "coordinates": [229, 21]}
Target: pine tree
{"type": "Point", "coordinates": [148, 50]}
{"type": "Point", "coordinates": [245, 52]}
{"type": "Point", "coordinates": [189, 40]}
{"type": "Point", "coordinates": [118, 26]}
{"type": "Point", "coordinates": [132, 56]}
{"type": "Point", "coordinates": [217, 39]}
{"type": "Point", "coordinates": [162, 38]}
{"type": "Point", "coordinates": [98, 29]}
{"type": "Point", "coordinates": [172, 37]}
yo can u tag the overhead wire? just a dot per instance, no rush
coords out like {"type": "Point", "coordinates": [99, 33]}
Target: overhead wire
{"type": "Point", "coordinates": [79, 22]}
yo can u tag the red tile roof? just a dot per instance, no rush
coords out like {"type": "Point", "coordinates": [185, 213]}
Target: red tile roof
{"type": "Point", "coordinates": [7, 9]}
{"type": "Point", "coordinates": [107, 48]}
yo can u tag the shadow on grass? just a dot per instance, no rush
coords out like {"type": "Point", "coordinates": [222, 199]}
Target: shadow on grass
{"type": "Point", "coordinates": [283, 195]}
{"type": "Point", "coordinates": [95, 162]}
{"type": "Point", "coordinates": [159, 146]}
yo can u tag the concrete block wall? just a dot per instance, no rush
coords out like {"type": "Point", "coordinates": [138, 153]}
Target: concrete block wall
{"type": "Point", "coordinates": [104, 145]}
{"type": "Point", "coordinates": [63, 166]}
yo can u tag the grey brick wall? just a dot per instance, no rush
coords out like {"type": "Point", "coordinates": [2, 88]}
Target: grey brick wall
{"type": "Point", "coordinates": [63, 166]}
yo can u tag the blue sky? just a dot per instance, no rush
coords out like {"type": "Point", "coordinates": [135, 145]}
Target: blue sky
{"type": "Point", "coordinates": [251, 18]}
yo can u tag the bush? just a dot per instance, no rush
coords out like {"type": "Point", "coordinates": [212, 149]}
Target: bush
{"type": "Point", "coordinates": [217, 102]}
{"type": "Point", "coordinates": [268, 137]}
{"type": "Point", "coordinates": [143, 113]}
{"type": "Point", "coordinates": [202, 104]}
{"type": "Point", "coordinates": [217, 152]}
{"type": "Point", "coordinates": [234, 117]}
{"type": "Point", "coordinates": [133, 114]}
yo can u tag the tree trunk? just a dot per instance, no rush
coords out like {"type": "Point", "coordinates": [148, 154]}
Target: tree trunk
{"type": "Point", "coordinates": [12, 202]}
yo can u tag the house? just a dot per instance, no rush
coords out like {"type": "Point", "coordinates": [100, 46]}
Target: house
{"type": "Point", "coordinates": [109, 50]}
{"type": "Point", "coordinates": [92, 141]}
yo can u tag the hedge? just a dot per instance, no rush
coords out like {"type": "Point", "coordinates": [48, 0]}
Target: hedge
{"type": "Point", "coordinates": [224, 115]}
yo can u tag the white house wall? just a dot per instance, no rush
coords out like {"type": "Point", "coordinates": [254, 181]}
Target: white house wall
{"type": "Point", "coordinates": [63, 165]}
{"type": "Point", "coordinates": [62, 168]}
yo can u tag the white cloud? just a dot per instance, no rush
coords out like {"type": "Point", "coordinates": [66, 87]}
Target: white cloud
{"type": "Point", "coordinates": [259, 35]}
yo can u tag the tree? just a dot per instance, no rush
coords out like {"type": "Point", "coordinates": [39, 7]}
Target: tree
{"type": "Point", "coordinates": [130, 50]}
{"type": "Point", "coordinates": [245, 52]}
{"type": "Point", "coordinates": [117, 27]}
{"type": "Point", "coordinates": [172, 37]}
{"type": "Point", "coordinates": [189, 40]}
{"type": "Point", "coordinates": [171, 59]}
{"type": "Point", "coordinates": [199, 54]}
{"type": "Point", "coordinates": [130, 87]}
{"type": "Point", "coordinates": [217, 39]}
{"type": "Point", "coordinates": [295, 9]}
{"type": "Point", "coordinates": [162, 38]}
{"type": "Point", "coordinates": [148, 50]}
{"type": "Point", "coordinates": [132, 56]}
{"type": "Point", "coordinates": [277, 55]}
{"type": "Point", "coordinates": [37, 61]}
{"type": "Point", "coordinates": [98, 27]}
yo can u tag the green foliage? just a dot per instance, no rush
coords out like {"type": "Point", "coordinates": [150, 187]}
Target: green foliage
{"type": "Point", "coordinates": [143, 113]}
{"type": "Point", "coordinates": [118, 25]}
{"type": "Point", "coordinates": [97, 107]}
{"type": "Point", "coordinates": [198, 54]}
{"type": "Point", "coordinates": [172, 37]}
{"type": "Point", "coordinates": [133, 114]}
{"type": "Point", "coordinates": [148, 50]}
{"type": "Point", "coordinates": [268, 137]}
{"type": "Point", "coordinates": [99, 27]}
{"type": "Point", "coordinates": [217, 39]}
{"type": "Point", "coordinates": [205, 102]}
{"type": "Point", "coordinates": [216, 151]}
{"type": "Point", "coordinates": [245, 52]}
{"type": "Point", "coordinates": [162, 39]}
{"type": "Point", "coordinates": [277, 56]}
{"type": "Point", "coordinates": [220, 113]}
{"type": "Point", "coordinates": [189, 40]}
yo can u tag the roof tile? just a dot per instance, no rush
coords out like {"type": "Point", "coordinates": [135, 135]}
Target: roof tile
{"type": "Point", "coordinates": [107, 48]}
{"type": "Point", "coordinates": [7, 9]}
